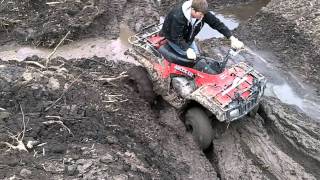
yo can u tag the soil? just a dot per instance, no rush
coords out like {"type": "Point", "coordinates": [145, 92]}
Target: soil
{"type": "Point", "coordinates": [289, 30]}
{"type": "Point", "coordinates": [84, 125]}
{"type": "Point", "coordinates": [107, 131]}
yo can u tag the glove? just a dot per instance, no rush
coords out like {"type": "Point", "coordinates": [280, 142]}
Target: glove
{"type": "Point", "coordinates": [235, 43]}
{"type": "Point", "coordinates": [191, 54]}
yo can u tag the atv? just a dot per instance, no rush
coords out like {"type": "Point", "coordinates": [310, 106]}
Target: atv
{"type": "Point", "coordinates": [201, 90]}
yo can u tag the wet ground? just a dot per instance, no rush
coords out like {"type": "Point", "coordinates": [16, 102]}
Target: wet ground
{"type": "Point", "coordinates": [110, 133]}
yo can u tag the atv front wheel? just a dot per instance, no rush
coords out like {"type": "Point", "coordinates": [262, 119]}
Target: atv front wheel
{"type": "Point", "coordinates": [198, 123]}
{"type": "Point", "coordinates": [140, 81]}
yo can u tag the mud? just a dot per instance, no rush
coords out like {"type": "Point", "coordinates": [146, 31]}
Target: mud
{"type": "Point", "coordinates": [42, 23]}
{"type": "Point", "coordinates": [289, 30]}
{"type": "Point", "coordinates": [108, 132]}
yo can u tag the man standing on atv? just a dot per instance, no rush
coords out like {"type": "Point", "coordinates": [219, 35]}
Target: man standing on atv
{"type": "Point", "coordinates": [185, 21]}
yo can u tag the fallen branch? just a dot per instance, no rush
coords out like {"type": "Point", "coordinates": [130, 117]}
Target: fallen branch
{"type": "Point", "coordinates": [34, 63]}
{"type": "Point", "coordinates": [58, 122]}
{"type": "Point", "coordinates": [55, 49]}
{"type": "Point", "coordinates": [53, 3]}
{"type": "Point", "coordinates": [121, 75]}
{"type": "Point", "coordinates": [18, 138]}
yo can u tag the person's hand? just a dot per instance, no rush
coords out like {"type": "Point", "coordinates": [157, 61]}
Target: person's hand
{"type": "Point", "coordinates": [235, 43]}
{"type": "Point", "coordinates": [191, 54]}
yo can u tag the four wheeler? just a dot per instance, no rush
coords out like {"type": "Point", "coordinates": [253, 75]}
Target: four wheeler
{"type": "Point", "coordinates": [200, 89]}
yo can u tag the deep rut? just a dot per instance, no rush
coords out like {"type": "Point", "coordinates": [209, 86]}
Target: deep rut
{"type": "Point", "coordinates": [274, 145]}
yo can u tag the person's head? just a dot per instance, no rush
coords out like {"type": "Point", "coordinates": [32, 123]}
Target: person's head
{"type": "Point", "coordinates": [199, 8]}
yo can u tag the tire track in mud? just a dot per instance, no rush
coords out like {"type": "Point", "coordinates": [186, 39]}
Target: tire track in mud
{"type": "Point", "coordinates": [295, 134]}
{"type": "Point", "coordinates": [262, 148]}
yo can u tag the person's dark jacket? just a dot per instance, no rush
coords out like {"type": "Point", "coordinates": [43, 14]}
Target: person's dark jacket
{"type": "Point", "coordinates": [177, 29]}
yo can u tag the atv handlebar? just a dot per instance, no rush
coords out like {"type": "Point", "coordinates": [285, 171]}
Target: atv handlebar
{"type": "Point", "coordinates": [215, 65]}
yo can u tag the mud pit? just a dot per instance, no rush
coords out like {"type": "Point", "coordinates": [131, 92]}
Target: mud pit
{"type": "Point", "coordinates": [113, 133]}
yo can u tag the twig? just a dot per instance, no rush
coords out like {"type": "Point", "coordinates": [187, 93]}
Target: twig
{"type": "Point", "coordinates": [63, 93]}
{"type": "Point", "coordinates": [53, 117]}
{"type": "Point", "coordinates": [53, 3]}
{"type": "Point", "coordinates": [55, 49]}
{"type": "Point", "coordinates": [19, 137]}
{"type": "Point", "coordinates": [121, 75]}
{"type": "Point", "coordinates": [58, 122]}
{"type": "Point", "coordinates": [34, 63]}
{"type": "Point", "coordinates": [23, 123]}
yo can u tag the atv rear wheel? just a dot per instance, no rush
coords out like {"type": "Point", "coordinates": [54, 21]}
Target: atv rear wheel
{"type": "Point", "coordinates": [199, 124]}
{"type": "Point", "coordinates": [140, 81]}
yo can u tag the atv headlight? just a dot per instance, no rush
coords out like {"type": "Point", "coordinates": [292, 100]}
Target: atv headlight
{"type": "Point", "coordinates": [234, 113]}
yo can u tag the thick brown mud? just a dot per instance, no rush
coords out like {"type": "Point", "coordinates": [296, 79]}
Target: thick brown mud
{"type": "Point", "coordinates": [85, 125]}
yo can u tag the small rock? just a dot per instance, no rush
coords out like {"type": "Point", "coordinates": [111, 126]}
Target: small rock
{"type": "Point", "coordinates": [32, 143]}
{"type": "Point", "coordinates": [112, 139]}
{"type": "Point", "coordinates": [4, 115]}
{"type": "Point", "coordinates": [27, 76]}
{"type": "Point", "coordinates": [85, 165]}
{"type": "Point", "coordinates": [25, 173]}
{"type": "Point", "coordinates": [71, 170]}
{"type": "Point", "coordinates": [107, 159]}
{"type": "Point", "coordinates": [53, 84]}
{"type": "Point", "coordinates": [12, 162]}
{"type": "Point", "coordinates": [58, 148]}
{"type": "Point", "coordinates": [120, 177]}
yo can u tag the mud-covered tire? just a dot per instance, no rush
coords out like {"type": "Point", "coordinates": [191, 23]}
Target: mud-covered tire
{"type": "Point", "coordinates": [254, 112]}
{"type": "Point", "coordinates": [199, 124]}
{"type": "Point", "coordinates": [139, 78]}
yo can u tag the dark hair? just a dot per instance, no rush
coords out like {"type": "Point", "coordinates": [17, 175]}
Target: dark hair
{"type": "Point", "coordinates": [200, 5]}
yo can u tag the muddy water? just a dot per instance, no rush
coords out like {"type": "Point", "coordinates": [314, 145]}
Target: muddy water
{"type": "Point", "coordinates": [282, 85]}
{"type": "Point", "coordinates": [110, 49]}
{"type": "Point", "coordinates": [232, 16]}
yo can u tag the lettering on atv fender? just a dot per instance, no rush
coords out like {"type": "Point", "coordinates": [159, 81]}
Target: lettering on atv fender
{"type": "Point", "coordinates": [183, 70]}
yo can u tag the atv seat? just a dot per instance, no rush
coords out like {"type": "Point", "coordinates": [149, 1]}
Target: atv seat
{"type": "Point", "coordinates": [172, 56]}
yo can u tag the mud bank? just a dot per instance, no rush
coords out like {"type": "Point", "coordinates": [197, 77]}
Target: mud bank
{"type": "Point", "coordinates": [280, 144]}
{"type": "Point", "coordinates": [42, 23]}
{"type": "Point", "coordinates": [83, 125]}
{"type": "Point", "coordinates": [289, 29]}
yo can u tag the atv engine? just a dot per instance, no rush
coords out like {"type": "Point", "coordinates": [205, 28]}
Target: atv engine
{"type": "Point", "coordinates": [183, 86]}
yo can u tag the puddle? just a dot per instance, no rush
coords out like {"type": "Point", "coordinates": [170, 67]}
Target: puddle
{"type": "Point", "coordinates": [232, 16]}
{"type": "Point", "coordinates": [287, 95]}
{"type": "Point", "coordinates": [244, 11]}
{"type": "Point", "coordinates": [283, 85]}
{"type": "Point", "coordinates": [110, 49]}
{"type": "Point", "coordinates": [207, 32]}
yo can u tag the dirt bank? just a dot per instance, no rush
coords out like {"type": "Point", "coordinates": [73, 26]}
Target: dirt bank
{"type": "Point", "coordinates": [289, 29]}
{"type": "Point", "coordinates": [280, 144]}
{"type": "Point", "coordinates": [88, 128]}
{"type": "Point", "coordinates": [44, 23]}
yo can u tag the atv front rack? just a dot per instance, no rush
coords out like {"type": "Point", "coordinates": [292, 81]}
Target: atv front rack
{"type": "Point", "coordinates": [146, 32]}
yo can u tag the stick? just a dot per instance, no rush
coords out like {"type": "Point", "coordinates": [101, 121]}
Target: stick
{"type": "Point", "coordinates": [121, 75]}
{"type": "Point", "coordinates": [55, 49]}
{"type": "Point", "coordinates": [34, 63]}
{"type": "Point", "coordinates": [23, 123]}
{"type": "Point", "coordinates": [58, 122]}
{"type": "Point", "coordinates": [53, 3]}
